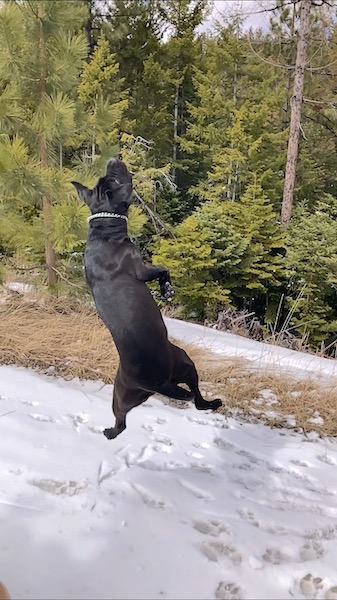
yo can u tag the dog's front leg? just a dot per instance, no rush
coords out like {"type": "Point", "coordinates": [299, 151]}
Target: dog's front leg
{"type": "Point", "coordinates": [151, 272]}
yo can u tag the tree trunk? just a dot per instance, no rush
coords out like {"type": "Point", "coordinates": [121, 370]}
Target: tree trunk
{"type": "Point", "coordinates": [175, 129]}
{"type": "Point", "coordinates": [231, 189]}
{"type": "Point", "coordinates": [50, 255]}
{"type": "Point", "coordinates": [296, 109]}
{"type": "Point", "coordinates": [89, 27]}
{"type": "Point", "coordinates": [176, 95]}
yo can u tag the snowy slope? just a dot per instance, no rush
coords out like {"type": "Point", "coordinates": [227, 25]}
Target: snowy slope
{"type": "Point", "coordinates": [182, 505]}
{"type": "Point", "coordinates": [262, 354]}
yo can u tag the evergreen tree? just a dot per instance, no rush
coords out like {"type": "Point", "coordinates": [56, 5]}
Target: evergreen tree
{"type": "Point", "coordinates": [183, 51]}
{"type": "Point", "coordinates": [235, 124]}
{"type": "Point", "coordinates": [46, 49]}
{"type": "Point", "coordinates": [103, 99]}
{"type": "Point", "coordinates": [312, 259]}
{"type": "Point", "coordinates": [243, 247]}
{"type": "Point", "coordinates": [189, 258]}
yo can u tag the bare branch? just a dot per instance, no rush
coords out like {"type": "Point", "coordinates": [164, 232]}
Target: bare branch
{"type": "Point", "coordinates": [156, 220]}
{"type": "Point", "coordinates": [320, 102]}
{"type": "Point", "coordinates": [66, 280]}
{"type": "Point", "coordinates": [303, 134]}
{"type": "Point", "coordinates": [269, 62]}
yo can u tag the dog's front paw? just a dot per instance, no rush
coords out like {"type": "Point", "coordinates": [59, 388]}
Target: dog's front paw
{"type": "Point", "coordinates": [167, 291]}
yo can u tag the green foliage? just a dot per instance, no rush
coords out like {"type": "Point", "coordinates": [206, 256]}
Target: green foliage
{"type": "Point", "coordinates": [98, 74]}
{"type": "Point", "coordinates": [134, 152]}
{"type": "Point", "coordinates": [189, 258]}
{"type": "Point", "coordinates": [202, 122]}
{"type": "Point", "coordinates": [312, 256]}
{"type": "Point", "coordinates": [235, 124]}
{"type": "Point", "coordinates": [153, 115]}
{"type": "Point", "coordinates": [104, 101]}
{"type": "Point", "coordinates": [239, 247]}
{"type": "Point", "coordinates": [262, 267]}
{"type": "Point", "coordinates": [137, 220]}
{"type": "Point", "coordinates": [69, 225]}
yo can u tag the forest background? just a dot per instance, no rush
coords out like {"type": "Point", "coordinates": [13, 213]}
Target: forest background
{"type": "Point", "coordinates": [207, 119]}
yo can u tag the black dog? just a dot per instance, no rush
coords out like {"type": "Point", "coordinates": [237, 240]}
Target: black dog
{"type": "Point", "coordinates": [116, 275]}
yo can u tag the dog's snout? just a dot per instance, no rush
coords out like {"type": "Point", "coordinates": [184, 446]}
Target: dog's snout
{"type": "Point", "coordinates": [116, 169]}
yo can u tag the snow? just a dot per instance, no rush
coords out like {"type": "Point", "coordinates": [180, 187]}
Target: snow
{"type": "Point", "coordinates": [261, 354]}
{"type": "Point", "coordinates": [21, 288]}
{"type": "Point", "coordinates": [182, 505]}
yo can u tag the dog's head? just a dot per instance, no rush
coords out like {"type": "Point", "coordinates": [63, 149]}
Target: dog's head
{"type": "Point", "coordinates": [112, 193]}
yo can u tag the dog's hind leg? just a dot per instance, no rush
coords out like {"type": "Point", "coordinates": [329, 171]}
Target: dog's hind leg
{"type": "Point", "coordinates": [172, 390]}
{"type": "Point", "coordinates": [184, 371]}
{"type": "Point", "coordinates": [123, 400]}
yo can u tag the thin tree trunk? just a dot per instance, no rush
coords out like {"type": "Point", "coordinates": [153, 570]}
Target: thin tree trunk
{"type": "Point", "coordinates": [236, 171]}
{"type": "Point", "coordinates": [176, 99]}
{"type": "Point", "coordinates": [175, 128]}
{"type": "Point", "coordinates": [89, 28]}
{"type": "Point", "coordinates": [296, 109]}
{"type": "Point", "coordinates": [50, 255]}
{"type": "Point", "coordinates": [292, 60]}
{"type": "Point", "coordinates": [231, 190]}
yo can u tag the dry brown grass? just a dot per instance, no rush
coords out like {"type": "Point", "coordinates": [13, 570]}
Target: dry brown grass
{"type": "Point", "coordinates": [68, 339]}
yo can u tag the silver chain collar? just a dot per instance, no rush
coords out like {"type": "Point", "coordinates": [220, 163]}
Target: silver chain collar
{"type": "Point", "coordinates": [107, 215]}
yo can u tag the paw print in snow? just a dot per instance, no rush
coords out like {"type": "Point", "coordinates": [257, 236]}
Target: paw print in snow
{"type": "Point", "coordinates": [215, 551]}
{"type": "Point", "coordinates": [228, 591]}
{"type": "Point", "coordinates": [310, 586]}
{"type": "Point", "coordinates": [214, 528]}
{"type": "Point", "coordinates": [311, 550]}
{"type": "Point", "coordinates": [274, 556]}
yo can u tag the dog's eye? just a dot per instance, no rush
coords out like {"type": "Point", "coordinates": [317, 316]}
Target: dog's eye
{"type": "Point", "coordinates": [117, 181]}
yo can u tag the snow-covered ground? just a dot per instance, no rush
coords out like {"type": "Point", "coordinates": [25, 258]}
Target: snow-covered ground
{"type": "Point", "coordinates": [182, 505]}
{"type": "Point", "coordinates": [259, 353]}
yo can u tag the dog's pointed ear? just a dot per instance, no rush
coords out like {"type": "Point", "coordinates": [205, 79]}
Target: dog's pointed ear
{"type": "Point", "coordinates": [83, 192]}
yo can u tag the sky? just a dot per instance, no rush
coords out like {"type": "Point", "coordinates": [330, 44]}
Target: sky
{"type": "Point", "coordinates": [251, 9]}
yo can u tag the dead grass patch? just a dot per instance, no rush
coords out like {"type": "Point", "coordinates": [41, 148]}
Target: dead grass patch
{"type": "Point", "coordinates": [66, 338]}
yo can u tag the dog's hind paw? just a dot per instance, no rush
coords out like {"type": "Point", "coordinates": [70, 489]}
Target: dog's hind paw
{"type": "Point", "coordinates": [111, 433]}
{"type": "Point", "coordinates": [205, 405]}
{"type": "Point", "coordinates": [214, 404]}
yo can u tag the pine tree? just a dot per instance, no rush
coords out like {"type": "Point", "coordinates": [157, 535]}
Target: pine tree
{"type": "Point", "coordinates": [235, 125]}
{"type": "Point", "coordinates": [296, 110]}
{"type": "Point", "coordinates": [243, 247]}
{"type": "Point", "coordinates": [134, 29]}
{"type": "Point", "coordinates": [103, 98]}
{"type": "Point", "coordinates": [183, 50]}
{"type": "Point", "coordinates": [262, 267]}
{"type": "Point", "coordinates": [287, 38]}
{"type": "Point", "coordinates": [46, 50]}
{"type": "Point", "coordinates": [312, 260]}
{"type": "Point", "coordinates": [189, 258]}
{"type": "Point", "coordinates": [154, 102]}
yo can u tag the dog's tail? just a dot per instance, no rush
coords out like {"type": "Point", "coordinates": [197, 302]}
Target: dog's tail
{"type": "Point", "coordinates": [171, 390]}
